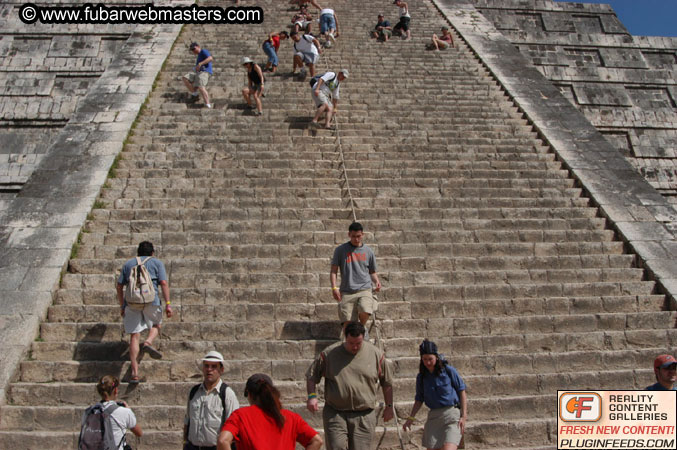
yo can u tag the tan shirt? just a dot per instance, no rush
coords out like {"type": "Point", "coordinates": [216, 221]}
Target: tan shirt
{"type": "Point", "coordinates": [351, 381]}
{"type": "Point", "coordinates": [204, 411]}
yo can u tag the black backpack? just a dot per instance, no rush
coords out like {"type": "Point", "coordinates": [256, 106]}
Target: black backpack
{"type": "Point", "coordinates": [316, 78]}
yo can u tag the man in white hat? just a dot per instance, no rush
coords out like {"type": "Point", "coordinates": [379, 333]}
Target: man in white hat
{"type": "Point", "coordinates": [209, 405]}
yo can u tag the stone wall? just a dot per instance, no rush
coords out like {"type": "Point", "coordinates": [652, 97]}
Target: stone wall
{"type": "Point", "coordinates": [625, 85]}
{"type": "Point", "coordinates": [44, 71]}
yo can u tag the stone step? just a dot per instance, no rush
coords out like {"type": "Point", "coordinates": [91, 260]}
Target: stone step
{"type": "Point", "coordinates": [153, 417]}
{"type": "Point", "coordinates": [486, 207]}
{"type": "Point", "coordinates": [411, 242]}
{"type": "Point", "coordinates": [226, 215]}
{"type": "Point", "coordinates": [293, 356]}
{"type": "Point", "coordinates": [276, 276]}
{"type": "Point", "coordinates": [251, 262]}
{"type": "Point", "coordinates": [144, 156]}
{"type": "Point", "coordinates": [202, 177]}
{"type": "Point", "coordinates": [467, 336]}
{"type": "Point", "coordinates": [175, 393]}
{"type": "Point", "coordinates": [478, 434]}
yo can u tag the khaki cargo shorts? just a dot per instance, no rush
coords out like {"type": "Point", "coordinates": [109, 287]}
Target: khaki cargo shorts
{"type": "Point", "coordinates": [198, 79]}
{"type": "Point", "coordinates": [353, 304]}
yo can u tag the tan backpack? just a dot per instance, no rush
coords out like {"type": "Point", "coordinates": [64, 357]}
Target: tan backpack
{"type": "Point", "coordinates": [140, 290]}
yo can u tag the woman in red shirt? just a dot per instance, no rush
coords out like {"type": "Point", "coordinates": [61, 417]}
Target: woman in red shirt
{"type": "Point", "coordinates": [265, 425]}
{"type": "Point", "coordinates": [271, 47]}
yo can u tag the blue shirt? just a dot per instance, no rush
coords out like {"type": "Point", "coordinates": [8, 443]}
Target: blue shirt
{"type": "Point", "coordinates": [204, 54]}
{"type": "Point", "coordinates": [438, 391]}
{"type": "Point", "coordinates": [659, 387]}
{"type": "Point", "coordinates": [155, 268]}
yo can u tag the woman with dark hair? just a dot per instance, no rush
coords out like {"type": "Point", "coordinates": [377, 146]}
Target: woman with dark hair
{"type": "Point", "coordinates": [442, 389]}
{"type": "Point", "coordinates": [265, 425]}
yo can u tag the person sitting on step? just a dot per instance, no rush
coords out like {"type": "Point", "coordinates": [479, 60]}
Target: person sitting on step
{"type": "Point", "coordinates": [441, 42]}
{"type": "Point", "coordinates": [302, 20]}
{"type": "Point", "coordinates": [383, 30]}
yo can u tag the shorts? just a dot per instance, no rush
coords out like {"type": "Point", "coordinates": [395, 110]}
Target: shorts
{"type": "Point", "coordinates": [385, 32]}
{"type": "Point", "coordinates": [348, 429]}
{"type": "Point", "coordinates": [327, 23]}
{"type": "Point", "coordinates": [443, 44]}
{"type": "Point", "coordinates": [403, 24]}
{"type": "Point", "coordinates": [198, 79]}
{"type": "Point", "coordinates": [137, 321]}
{"type": "Point", "coordinates": [442, 427]}
{"type": "Point", "coordinates": [353, 304]}
{"type": "Point", "coordinates": [321, 99]}
{"type": "Point", "coordinates": [308, 58]}
{"type": "Point", "coordinates": [255, 88]}
{"type": "Point", "coordinates": [303, 23]}
{"type": "Point", "coordinates": [269, 49]}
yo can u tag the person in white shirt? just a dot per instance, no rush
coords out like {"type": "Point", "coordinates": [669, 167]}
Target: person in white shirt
{"type": "Point", "coordinates": [307, 50]}
{"type": "Point", "coordinates": [122, 418]}
{"type": "Point", "coordinates": [210, 403]}
{"type": "Point", "coordinates": [326, 94]}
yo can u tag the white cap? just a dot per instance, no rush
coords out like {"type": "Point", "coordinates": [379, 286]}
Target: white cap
{"type": "Point", "coordinates": [213, 356]}
{"type": "Point", "coordinates": [246, 60]}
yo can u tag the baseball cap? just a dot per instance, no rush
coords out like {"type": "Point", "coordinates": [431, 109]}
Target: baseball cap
{"type": "Point", "coordinates": [345, 73]}
{"type": "Point", "coordinates": [213, 356]}
{"type": "Point", "coordinates": [663, 361]}
{"type": "Point", "coordinates": [193, 45]}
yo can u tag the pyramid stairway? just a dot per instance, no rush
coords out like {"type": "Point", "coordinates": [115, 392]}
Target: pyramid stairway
{"type": "Point", "coordinates": [484, 244]}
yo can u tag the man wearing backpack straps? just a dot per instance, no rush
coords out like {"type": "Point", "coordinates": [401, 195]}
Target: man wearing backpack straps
{"type": "Point", "coordinates": [138, 318]}
{"type": "Point", "coordinates": [210, 403]}
{"type": "Point", "coordinates": [325, 93]}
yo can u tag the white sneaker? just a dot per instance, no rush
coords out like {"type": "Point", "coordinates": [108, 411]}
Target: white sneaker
{"type": "Point", "coordinates": [195, 94]}
{"type": "Point", "coordinates": [331, 36]}
{"type": "Point", "coordinates": [208, 105]}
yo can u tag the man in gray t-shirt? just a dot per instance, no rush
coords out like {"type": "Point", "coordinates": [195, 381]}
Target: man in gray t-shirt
{"type": "Point", "coordinates": [357, 264]}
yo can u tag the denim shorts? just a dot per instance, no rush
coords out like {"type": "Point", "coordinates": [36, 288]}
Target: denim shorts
{"type": "Point", "coordinates": [327, 23]}
{"type": "Point", "coordinates": [270, 51]}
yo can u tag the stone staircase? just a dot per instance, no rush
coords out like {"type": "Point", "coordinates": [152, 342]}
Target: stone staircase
{"type": "Point", "coordinates": [484, 244]}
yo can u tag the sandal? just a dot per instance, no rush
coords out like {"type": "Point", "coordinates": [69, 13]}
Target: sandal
{"type": "Point", "coordinates": [152, 351]}
{"type": "Point", "coordinates": [134, 379]}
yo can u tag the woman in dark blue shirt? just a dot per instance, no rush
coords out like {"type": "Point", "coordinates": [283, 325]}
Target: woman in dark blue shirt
{"type": "Point", "coordinates": [442, 389]}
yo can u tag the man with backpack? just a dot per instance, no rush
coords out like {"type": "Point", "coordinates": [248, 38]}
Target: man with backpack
{"type": "Point", "coordinates": [307, 49]}
{"type": "Point", "coordinates": [325, 93]}
{"type": "Point", "coordinates": [210, 403]}
{"type": "Point", "coordinates": [140, 307]}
